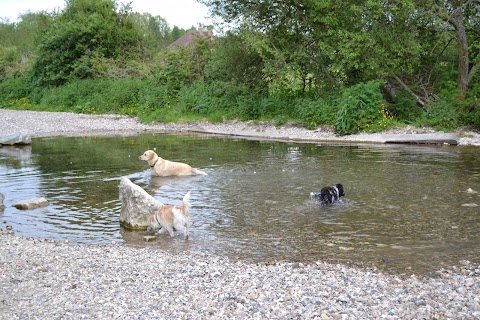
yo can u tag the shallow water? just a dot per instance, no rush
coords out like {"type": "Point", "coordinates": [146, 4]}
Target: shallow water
{"type": "Point", "coordinates": [407, 208]}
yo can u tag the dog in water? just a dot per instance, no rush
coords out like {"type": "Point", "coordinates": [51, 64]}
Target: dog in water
{"type": "Point", "coordinates": [170, 217]}
{"type": "Point", "coordinates": [328, 195]}
{"type": "Point", "coordinates": [164, 168]}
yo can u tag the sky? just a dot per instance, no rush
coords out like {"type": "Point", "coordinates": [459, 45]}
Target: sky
{"type": "Point", "coordinates": [182, 13]}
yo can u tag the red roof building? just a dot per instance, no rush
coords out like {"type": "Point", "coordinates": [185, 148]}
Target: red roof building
{"type": "Point", "coordinates": [188, 39]}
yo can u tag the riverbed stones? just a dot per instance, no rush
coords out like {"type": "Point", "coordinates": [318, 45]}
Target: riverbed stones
{"type": "Point", "coordinates": [470, 205]}
{"type": "Point", "coordinates": [16, 138]}
{"type": "Point", "coordinates": [137, 205]}
{"type": "Point", "coordinates": [29, 204]}
{"type": "Point", "coordinates": [42, 279]}
{"type": "Point", "coordinates": [149, 238]}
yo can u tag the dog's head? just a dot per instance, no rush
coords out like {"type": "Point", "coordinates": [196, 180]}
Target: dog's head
{"type": "Point", "coordinates": [153, 227]}
{"type": "Point", "coordinates": [148, 155]}
{"type": "Point", "coordinates": [341, 192]}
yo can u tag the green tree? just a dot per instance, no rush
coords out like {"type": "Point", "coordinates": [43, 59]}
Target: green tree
{"type": "Point", "coordinates": [331, 42]}
{"type": "Point", "coordinates": [463, 18]}
{"type": "Point", "coordinates": [87, 30]}
{"type": "Point", "coordinates": [235, 61]}
{"type": "Point", "coordinates": [19, 40]}
{"type": "Point", "coordinates": [345, 42]}
{"type": "Point", "coordinates": [177, 33]}
{"type": "Point", "coordinates": [181, 66]}
{"type": "Point", "coordinates": [157, 33]}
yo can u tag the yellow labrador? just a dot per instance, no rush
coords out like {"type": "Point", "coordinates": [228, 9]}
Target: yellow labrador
{"type": "Point", "coordinates": [164, 168]}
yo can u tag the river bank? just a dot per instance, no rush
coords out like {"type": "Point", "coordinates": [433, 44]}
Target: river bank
{"type": "Point", "coordinates": [48, 124]}
{"type": "Point", "coordinates": [42, 279]}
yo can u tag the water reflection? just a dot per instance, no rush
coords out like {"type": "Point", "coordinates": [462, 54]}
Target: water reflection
{"type": "Point", "coordinates": [403, 210]}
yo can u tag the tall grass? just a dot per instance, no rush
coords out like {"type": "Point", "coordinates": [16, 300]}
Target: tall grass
{"type": "Point", "coordinates": [354, 109]}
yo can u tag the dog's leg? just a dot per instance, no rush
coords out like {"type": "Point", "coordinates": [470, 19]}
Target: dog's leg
{"type": "Point", "coordinates": [170, 230]}
{"type": "Point", "coordinates": [161, 231]}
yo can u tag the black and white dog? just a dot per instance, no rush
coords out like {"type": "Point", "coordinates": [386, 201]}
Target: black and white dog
{"type": "Point", "coordinates": [328, 195]}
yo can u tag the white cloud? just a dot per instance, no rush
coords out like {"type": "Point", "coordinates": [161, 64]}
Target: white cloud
{"type": "Point", "coordinates": [183, 13]}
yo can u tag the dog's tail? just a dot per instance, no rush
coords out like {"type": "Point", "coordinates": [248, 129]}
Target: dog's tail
{"type": "Point", "coordinates": [186, 206]}
{"type": "Point", "coordinates": [196, 171]}
{"type": "Point", "coordinates": [186, 200]}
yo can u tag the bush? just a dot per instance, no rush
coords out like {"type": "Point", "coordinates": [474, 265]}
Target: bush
{"type": "Point", "coordinates": [405, 107]}
{"type": "Point", "coordinates": [313, 112]}
{"type": "Point", "coordinates": [471, 115]}
{"type": "Point", "coordinates": [443, 113]}
{"type": "Point", "coordinates": [15, 88]}
{"type": "Point", "coordinates": [361, 109]}
{"type": "Point", "coordinates": [72, 96]}
{"type": "Point", "coordinates": [195, 98]}
{"type": "Point", "coordinates": [440, 115]}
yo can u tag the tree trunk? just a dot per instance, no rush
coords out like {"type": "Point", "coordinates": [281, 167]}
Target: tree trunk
{"type": "Point", "coordinates": [464, 78]}
{"type": "Point", "coordinates": [419, 100]}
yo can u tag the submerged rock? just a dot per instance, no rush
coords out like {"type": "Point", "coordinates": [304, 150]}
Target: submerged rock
{"type": "Point", "coordinates": [149, 238]}
{"type": "Point", "coordinates": [31, 203]}
{"type": "Point", "coordinates": [470, 205]}
{"type": "Point", "coordinates": [137, 205]}
{"type": "Point", "coordinates": [16, 138]}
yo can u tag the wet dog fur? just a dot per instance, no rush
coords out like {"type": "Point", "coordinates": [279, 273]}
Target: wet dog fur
{"type": "Point", "coordinates": [328, 195]}
{"type": "Point", "coordinates": [169, 218]}
{"type": "Point", "coordinates": [164, 168]}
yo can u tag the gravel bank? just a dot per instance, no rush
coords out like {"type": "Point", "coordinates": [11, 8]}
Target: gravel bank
{"type": "Point", "coordinates": [41, 279]}
{"type": "Point", "coordinates": [46, 280]}
{"type": "Point", "coordinates": [45, 124]}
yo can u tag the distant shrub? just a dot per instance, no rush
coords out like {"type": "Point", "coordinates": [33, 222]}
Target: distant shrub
{"type": "Point", "coordinates": [440, 115]}
{"type": "Point", "coordinates": [15, 88]}
{"type": "Point", "coordinates": [195, 98]}
{"type": "Point", "coordinates": [443, 113]}
{"type": "Point", "coordinates": [405, 107]}
{"type": "Point", "coordinates": [313, 112]}
{"type": "Point", "coordinates": [361, 109]}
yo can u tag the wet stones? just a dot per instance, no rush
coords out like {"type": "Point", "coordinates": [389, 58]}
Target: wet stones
{"type": "Point", "coordinates": [16, 138]}
{"type": "Point", "coordinates": [149, 238]}
{"type": "Point", "coordinates": [31, 203]}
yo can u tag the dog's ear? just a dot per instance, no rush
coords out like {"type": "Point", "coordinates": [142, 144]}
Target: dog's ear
{"type": "Point", "coordinates": [341, 192]}
{"type": "Point", "coordinates": [148, 154]}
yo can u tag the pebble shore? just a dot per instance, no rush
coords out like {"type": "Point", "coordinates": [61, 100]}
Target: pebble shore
{"type": "Point", "coordinates": [42, 279]}
{"type": "Point", "coordinates": [49, 124]}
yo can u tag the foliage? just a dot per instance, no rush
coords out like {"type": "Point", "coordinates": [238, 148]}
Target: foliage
{"type": "Point", "coordinates": [15, 88]}
{"type": "Point", "coordinates": [235, 61]}
{"type": "Point", "coordinates": [312, 111]}
{"type": "Point", "coordinates": [310, 62]}
{"type": "Point", "coordinates": [405, 108]}
{"type": "Point", "coordinates": [87, 29]}
{"type": "Point", "coordinates": [361, 109]}
{"type": "Point", "coordinates": [449, 111]}
{"type": "Point", "coordinates": [156, 32]}
{"type": "Point", "coordinates": [18, 43]}
{"type": "Point", "coordinates": [181, 66]}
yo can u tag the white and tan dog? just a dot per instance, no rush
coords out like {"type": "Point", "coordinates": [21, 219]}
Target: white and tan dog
{"type": "Point", "coordinates": [164, 168]}
{"type": "Point", "coordinates": [170, 217]}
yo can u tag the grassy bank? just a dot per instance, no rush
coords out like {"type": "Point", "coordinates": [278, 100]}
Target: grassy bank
{"type": "Point", "coordinates": [360, 108]}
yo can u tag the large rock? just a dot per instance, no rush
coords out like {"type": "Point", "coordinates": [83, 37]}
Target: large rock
{"type": "Point", "coordinates": [137, 205]}
{"type": "Point", "coordinates": [16, 138]}
{"type": "Point", "coordinates": [31, 203]}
